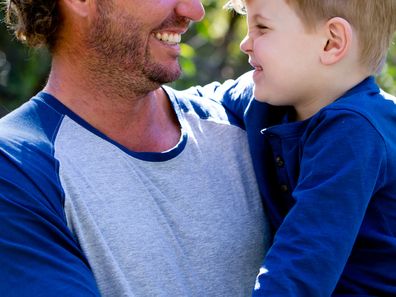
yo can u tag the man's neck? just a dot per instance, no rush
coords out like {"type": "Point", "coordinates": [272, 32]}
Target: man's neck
{"type": "Point", "coordinates": [140, 122]}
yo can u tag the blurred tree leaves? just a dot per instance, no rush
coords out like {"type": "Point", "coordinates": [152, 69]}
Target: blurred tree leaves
{"type": "Point", "coordinates": [215, 42]}
{"type": "Point", "coordinates": [210, 51]}
{"type": "Point", "coordinates": [387, 78]}
{"type": "Point", "coordinates": [23, 71]}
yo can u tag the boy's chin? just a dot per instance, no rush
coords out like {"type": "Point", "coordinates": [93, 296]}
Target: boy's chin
{"type": "Point", "coordinates": [267, 98]}
{"type": "Point", "coordinates": [263, 97]}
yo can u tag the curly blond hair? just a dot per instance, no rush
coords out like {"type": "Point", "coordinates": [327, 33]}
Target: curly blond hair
{"type": "Point", "coordinates": [34, 22]}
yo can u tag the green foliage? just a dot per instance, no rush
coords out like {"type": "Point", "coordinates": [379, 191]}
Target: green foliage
{"type": "Point", "coordinates": [210, 52]}
{"type": "Point", "coordinates": [23, 71]}
{"type": "Point", "coordinates": [215, 41]}
{"type": "Point", "coordinates": [387, 78]}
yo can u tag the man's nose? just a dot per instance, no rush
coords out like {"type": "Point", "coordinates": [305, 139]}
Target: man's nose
{"type": "Point", "coordinates": [191, 9]}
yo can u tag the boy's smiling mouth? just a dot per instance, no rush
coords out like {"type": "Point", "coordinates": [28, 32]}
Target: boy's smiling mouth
{"type": "Point", "coordinates": [255, 65]}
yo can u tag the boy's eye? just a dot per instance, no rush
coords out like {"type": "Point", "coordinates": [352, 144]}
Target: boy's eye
{"type": "Point", "coordinates": [261, 27]}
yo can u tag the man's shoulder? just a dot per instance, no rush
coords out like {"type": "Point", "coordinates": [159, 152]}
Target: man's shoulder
{"type": "Point", "coordinates": [31, 122]}
{"type": "Point", "coordinates": [27, 136]}
{"type": "Point", "coordinates": [29, 168]}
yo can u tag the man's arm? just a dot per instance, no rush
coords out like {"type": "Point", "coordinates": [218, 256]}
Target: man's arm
{"type": "Point", "coordinates": [39, 255]}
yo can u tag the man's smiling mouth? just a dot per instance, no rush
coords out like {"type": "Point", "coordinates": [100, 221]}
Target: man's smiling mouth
{"type": "Point", "coordinates": [168, 37]}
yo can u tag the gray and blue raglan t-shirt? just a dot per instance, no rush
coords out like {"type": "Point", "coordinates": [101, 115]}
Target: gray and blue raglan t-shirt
{"type": "Point", "coordinates": [81, 214]}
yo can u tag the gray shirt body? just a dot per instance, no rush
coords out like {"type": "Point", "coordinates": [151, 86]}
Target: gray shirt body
{"type": "Point", "coordinates": [185, 222]}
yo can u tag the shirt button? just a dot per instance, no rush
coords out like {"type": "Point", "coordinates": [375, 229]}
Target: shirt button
{"type": "Point", "coordinates": [279, 161]}
{"type": "Point", "coordinates": [284, 188]}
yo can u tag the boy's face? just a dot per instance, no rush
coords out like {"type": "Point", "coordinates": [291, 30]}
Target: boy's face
{"type": "Point", "coordinates": [285, 56]}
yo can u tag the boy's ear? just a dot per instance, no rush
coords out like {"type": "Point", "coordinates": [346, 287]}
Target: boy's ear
{"type": "Point", "coordinates": [338, 40]}
{"type": "Point", "coordinates": [78, 7]}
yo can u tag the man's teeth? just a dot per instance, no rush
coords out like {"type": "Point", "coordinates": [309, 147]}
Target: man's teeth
{"type": "Point", "coordinates": [171, 38]}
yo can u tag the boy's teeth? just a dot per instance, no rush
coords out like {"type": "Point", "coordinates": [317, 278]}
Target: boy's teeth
{"type": "Point", "coordinates": [171, 38]}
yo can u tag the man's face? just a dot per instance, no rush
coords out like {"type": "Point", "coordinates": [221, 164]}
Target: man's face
{"type": "Point", "coordinates": [139, 40]}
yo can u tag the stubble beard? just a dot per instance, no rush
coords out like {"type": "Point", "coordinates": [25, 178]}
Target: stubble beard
{"type": "Point", "coordinates": [120, 59]}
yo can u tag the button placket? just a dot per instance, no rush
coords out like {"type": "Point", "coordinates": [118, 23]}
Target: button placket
{"type": "Point", "coordinates": [284, 188]}
{"type": "Point", "coordinates": [276, 144]}
{"type": "Point", "coordinates": [279, 161]}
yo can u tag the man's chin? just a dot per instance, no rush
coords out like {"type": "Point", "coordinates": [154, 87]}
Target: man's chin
{"type": "Point", "coordinates": [163, 76]}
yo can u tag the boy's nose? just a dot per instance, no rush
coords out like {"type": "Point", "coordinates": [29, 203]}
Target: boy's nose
{"type": "Point", "coordinates": [246, 45]}
{"type": "Point", "coordinates": [191, 9]}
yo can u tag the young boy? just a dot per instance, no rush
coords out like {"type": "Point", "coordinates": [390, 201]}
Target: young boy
{"type": "Point", "coordinates": [326, 160]}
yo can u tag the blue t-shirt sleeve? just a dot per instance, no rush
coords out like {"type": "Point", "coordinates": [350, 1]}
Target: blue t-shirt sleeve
{"type": "Point", "coordinates": [39, 254]}
{"type": "Point", "coordinates": [235, 95]}
{"type": "Point", "coordinates": [342, 164]}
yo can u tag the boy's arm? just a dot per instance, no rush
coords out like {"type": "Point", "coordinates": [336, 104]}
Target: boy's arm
{"type": "Point", "coordinates": [39, 255]}
{"type": "Point", "coordinates": [342, 166]}
{"type": "Point", "coordinates": [235, 95]}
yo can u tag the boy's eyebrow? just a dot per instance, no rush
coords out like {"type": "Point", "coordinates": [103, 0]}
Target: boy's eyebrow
{"type": "Point", "coordinates": [259, 17]}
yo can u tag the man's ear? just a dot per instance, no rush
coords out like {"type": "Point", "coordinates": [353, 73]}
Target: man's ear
{"type": "Point", "coordinates": [339, 36]}
{"type": "Point", "coordinates": [78, 7]}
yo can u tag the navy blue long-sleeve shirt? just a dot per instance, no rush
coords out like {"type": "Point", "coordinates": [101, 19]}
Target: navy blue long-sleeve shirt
{"type": "Point", "coordinates": [329, 186]}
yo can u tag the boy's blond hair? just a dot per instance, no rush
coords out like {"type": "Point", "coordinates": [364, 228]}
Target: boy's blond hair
{"type": "Point", "coordinates": [373, 20]}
